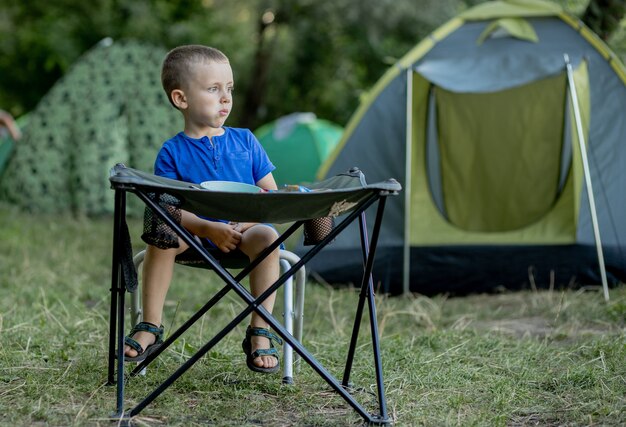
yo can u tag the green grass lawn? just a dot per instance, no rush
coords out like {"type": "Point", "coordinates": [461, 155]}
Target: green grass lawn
{"type": "Point", "coordinates": [524, 358]}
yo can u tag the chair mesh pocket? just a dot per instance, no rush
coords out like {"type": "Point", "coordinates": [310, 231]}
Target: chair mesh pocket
{"type": "Point", "coordinates": [317, 229]}
{"type": "Point", "coordinates": [155, 231]}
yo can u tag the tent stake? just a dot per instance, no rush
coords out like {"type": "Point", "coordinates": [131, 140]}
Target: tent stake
{"type": "Point", "coordinates": [583, 155]}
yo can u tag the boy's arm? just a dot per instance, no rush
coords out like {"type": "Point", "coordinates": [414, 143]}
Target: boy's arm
{"type": "Point", "coordinates": [7, 121]}
{"type": "Point", "coordinates": [266, 183]}
{"type": "Point", "coordinates": [223, 235]}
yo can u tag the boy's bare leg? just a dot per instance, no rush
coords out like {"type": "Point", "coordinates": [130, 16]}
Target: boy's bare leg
{"type": "Point", "coordinates": [158, 267]}
{"type": "Point", "coordinates": [253, 242]}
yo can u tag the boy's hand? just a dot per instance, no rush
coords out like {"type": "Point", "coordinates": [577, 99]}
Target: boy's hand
{"type": "Point", "coordinates": [224, 236]}
{"type": "Point", "coordinates": [6, 121]}
{"type": "Point", "coordinates": [242, 226]}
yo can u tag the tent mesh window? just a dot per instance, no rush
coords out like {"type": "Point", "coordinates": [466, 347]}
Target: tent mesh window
{"type": "Point", "coordinates": [489, 182]}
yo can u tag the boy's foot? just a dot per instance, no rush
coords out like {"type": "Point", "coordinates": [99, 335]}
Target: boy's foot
{"type": "Point", "coordinates": [261, 355]}
{"type": "Point", "coordinates": [143, 340]}
{"type": "Point", "coordinates": [262, 343]}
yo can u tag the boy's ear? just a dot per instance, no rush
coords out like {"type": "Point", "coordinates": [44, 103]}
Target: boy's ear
{"type": "Point", "coordinates": [179, 99]}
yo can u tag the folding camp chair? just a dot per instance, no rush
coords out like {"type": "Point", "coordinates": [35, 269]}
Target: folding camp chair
{"type": "Point", "coordinates": [293, 305]}
{"type": "Point", "coordinates": [346, 194]}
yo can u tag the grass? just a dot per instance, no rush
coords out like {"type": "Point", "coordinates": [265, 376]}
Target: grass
{"type": "Point", "coordinates": [508, 359]}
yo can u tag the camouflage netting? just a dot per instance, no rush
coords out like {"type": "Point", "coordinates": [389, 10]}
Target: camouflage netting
{"type": "Point", "coordinates": [109, 108]}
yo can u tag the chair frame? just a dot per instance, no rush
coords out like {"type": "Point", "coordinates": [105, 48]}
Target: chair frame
{"type": "Point", "coordinates": [293, 307]}
{"type": "Point", "coordinates": [363, 199]}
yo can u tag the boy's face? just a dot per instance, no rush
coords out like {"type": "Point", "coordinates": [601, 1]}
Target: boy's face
{"type": "Point", "coordinates": [207, 98]}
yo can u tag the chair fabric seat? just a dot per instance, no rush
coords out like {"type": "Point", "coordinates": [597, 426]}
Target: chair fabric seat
{"type": "Point", "coordinates": [234, 259]}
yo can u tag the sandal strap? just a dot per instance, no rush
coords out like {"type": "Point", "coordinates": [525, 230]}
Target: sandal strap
{"type": "Point", "coordinates": [134, 345]}
{"type": "Point", "coordinates": [265, 352]}
{"type": "Point", "coordinates": [155, 330]}
{"type": "Point", "coordinates": [263, 332]}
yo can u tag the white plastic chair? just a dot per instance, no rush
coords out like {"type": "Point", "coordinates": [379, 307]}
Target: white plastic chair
{"type": "Point", "coordinates": [293, 307]}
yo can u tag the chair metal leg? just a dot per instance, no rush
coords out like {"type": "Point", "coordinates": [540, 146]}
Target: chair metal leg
{"type": "Point", "coordinates": [288, 322]}
{"type": "Point", "coordinates": [118, 289]}
{"type": "Point", "coordinates": [367, 294]}
{"type": "Point", "coordinates": [136, 314]}
{"type": "Point", "coordinates": [298, 308]}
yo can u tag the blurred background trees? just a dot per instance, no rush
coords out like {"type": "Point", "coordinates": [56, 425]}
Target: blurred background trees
{"type": "Point", "coordinates": [287, 55]}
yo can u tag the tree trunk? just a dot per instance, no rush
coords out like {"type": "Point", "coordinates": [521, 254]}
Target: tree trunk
{"type": "Point", "coordinates": [255, 93]}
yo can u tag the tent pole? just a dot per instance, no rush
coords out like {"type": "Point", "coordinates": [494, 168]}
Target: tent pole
{"type": "Point", "coordinates": [583, 155]}
{"type": "Point", "coordinates": [406, 249]}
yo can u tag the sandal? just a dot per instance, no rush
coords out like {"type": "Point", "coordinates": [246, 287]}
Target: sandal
{"type": "Point", "coordinates": [250, 356]}
{"type": "Point", "coordinates": [142, 353]}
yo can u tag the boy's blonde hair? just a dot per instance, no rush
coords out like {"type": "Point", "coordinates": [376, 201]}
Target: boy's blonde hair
{"type": "Point", "coordinates": [179, 61]}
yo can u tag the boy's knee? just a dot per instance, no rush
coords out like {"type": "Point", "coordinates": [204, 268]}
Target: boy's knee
{"type": "Point", "coordinates": [260, 237]}
{"type": "Point", "coordinates": [268, 235]}
{"type": "Point", "coordinates": [162, 254]}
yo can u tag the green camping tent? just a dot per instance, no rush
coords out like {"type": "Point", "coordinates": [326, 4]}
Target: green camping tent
{"type": "Point", "coordinates": [108, 108]}
{"type": "Point", "coordinates": [298, 144]}
{"type": "Point", "coordinates": [487, 148]}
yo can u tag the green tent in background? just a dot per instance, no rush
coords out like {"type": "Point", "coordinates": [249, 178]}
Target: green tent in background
{"type": "Point", "coordinates": [298, 144]}
{"type": "Point", "coordinates": [108, 108]}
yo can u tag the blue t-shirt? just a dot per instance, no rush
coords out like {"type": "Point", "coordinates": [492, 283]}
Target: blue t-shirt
{"type": "Point", "coordinates": [234, 156]}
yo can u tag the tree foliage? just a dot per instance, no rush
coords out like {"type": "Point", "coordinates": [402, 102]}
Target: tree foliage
{"type": "Point", "coordinates": [288, 55]}
{"type": "Point", "coordinates": [604, 16]}
{"type": "Point", "coordinates": [40, 40]}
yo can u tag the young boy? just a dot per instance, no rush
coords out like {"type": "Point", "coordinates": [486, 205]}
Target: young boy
{"type": "Point", "coordinates": [199, 82]}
